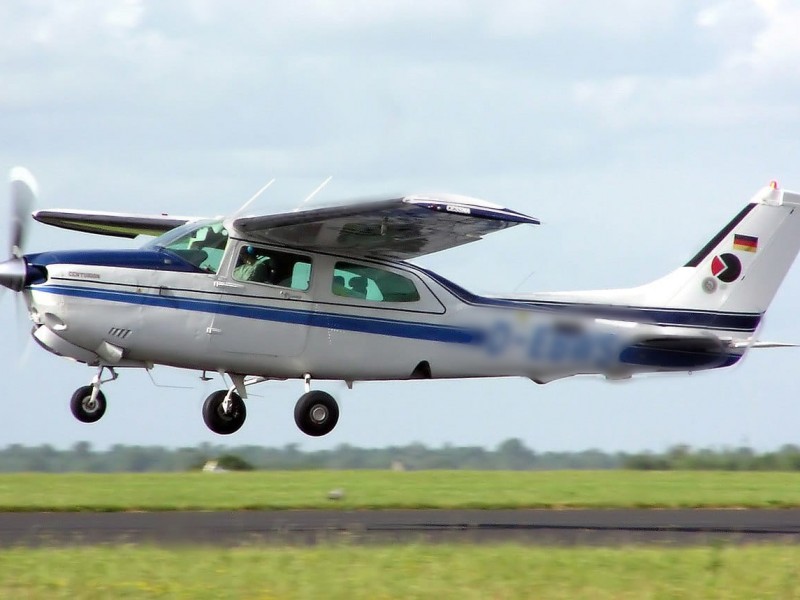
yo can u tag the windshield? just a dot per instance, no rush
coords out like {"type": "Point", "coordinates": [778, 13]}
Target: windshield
{"type": "Point", "coordinates": [201, 243]}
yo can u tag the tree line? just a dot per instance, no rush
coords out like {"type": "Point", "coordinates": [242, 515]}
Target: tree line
{"type": "Point", "coordinates": [512, 454]}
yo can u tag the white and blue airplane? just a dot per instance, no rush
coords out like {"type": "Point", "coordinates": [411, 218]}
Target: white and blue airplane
{"type": "Point", "coordinates": [328, 293]}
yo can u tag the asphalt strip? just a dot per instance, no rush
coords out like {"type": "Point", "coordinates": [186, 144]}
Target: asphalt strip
{"type": "Point", "coordinates": [303, 527]}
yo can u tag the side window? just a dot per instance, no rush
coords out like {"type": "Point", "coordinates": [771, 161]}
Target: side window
{"type": "Point", "coordinates": [369, 283]}
{"type": "Point", "coordinates": [263, 265]}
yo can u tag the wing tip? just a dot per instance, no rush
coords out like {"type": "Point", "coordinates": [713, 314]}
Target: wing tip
{"type": "Point", "coordinates": [474, 207]}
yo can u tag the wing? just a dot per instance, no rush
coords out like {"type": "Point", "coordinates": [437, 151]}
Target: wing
{"type": "Point", "coordinates": [111, 223]}
{"type": "Point", "coordinates": [399, 228]}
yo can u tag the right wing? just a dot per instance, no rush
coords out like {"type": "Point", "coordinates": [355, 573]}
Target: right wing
{"type": "Point", "coordinates": [111, 223]}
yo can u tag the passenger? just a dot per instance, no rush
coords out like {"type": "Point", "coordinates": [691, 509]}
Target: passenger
{"type": "Point", "coordinates": [338, 287]}
{"type": "Point", "coordinates": [358, 287]}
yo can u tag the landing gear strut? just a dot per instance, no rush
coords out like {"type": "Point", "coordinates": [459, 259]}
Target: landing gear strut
{"type": "Point", "coordinates": [88, 403]}
{"type": "Point", "coordinates": [316, 412]}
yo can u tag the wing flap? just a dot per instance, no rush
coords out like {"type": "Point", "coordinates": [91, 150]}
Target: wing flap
{"type": "Point", "coordinates": [397, 228]}
{"type": "Point", "coordinates": [110, 223]}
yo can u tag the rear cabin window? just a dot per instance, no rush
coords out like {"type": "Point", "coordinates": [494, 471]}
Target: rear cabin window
{"type": "Point", "coordinates": [263, 265]}
{"type": "Point", "coordinates": [369, 283]}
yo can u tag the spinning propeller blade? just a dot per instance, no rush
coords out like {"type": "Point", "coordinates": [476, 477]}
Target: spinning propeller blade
{"type": "Point", "coordinates": [23, 196]}
{"type": "Point", "coordinates": [14, 271]}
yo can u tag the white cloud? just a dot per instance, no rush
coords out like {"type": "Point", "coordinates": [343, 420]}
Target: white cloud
{"type": "Point", "coordinates": [776, 48]}
{"type": "Point", "coordinates": [378, 86]}
{"type": "Point", "coordinates": [754, 80]}
{"type": "Point", "coordinates": [730, 15]}
{"type": "Point", "coordinates": [611, 18]}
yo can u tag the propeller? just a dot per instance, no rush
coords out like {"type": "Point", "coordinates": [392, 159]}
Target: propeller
{"type": "Point", "coordinates": [14, 271]}
{"type": "Point", "coordinates": [23, 197]}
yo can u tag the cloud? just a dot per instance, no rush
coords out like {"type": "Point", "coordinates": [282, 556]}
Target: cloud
{"type": "Point", "coordinates": [381, 89]}
{"type": "Point", "coordinates": [776, 48]}
{"type": "Point", "coordinates": [753, 81]}
{"type": "Point", "coordinates": [608, 19]}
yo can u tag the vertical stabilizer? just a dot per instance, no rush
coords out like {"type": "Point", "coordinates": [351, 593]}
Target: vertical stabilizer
{"type": "Point", "coordinates": [741, 268]}
{"type": "Point", "coordinates": [738, 271]}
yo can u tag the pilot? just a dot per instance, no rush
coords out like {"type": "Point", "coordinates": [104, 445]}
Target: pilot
{"type": "Point", "coordinates": [246, 266]}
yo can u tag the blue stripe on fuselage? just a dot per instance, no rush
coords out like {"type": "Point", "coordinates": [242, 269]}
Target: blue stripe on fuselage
{"type": "Point", "coordinates": [390, 327]}
{"type": "Point", "coordinates": [147, 259]}
{"type": "Point", "coordinates": [674, 317]}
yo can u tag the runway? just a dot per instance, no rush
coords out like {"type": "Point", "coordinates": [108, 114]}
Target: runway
{"type": "Point", "coordinates": [546, 527]}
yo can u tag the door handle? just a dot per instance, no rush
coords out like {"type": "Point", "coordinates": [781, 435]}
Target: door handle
{"type": "Point", "coordinates": [227, 284]}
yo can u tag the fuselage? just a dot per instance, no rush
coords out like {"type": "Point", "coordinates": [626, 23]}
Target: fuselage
{"type": "Point", "coordinates": [152, 306]}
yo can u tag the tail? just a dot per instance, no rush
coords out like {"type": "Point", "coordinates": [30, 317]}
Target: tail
{"type": "Point", "coordinates": [733, 278]}
{"type": "Point", "coordinates": [740, 269]}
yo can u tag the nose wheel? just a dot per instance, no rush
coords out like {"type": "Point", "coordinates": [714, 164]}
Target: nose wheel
{"type": "Point", "coordinates": [88, 407]}
{"type": "Point", "coordinates": [88, 403]}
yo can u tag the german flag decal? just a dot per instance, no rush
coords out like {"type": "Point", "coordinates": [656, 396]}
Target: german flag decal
{"type": "Point", "coordinates": [747, 243]}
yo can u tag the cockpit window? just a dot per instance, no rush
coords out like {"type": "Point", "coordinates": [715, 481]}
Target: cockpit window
{"type": "Point", "coordinates": [264, 265]}
{"type": "Point", "coordinates": [200, 243]}
{"type": "Point", "coordinates": [368, 283]}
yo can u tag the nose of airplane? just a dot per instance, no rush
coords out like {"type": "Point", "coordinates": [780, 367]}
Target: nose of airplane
{"type": "Point", "coordinates": [13, 273]}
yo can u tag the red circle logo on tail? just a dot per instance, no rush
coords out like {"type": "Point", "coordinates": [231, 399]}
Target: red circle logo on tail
{"type": "Point", "coordinates": [726, 267]}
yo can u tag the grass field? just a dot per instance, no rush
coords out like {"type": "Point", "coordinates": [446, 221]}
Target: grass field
{"type": "Point", "coordinates": [385, 489]}
{"type": "Point", "coordinates": [464, 572]}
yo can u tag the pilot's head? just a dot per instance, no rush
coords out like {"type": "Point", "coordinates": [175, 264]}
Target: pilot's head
{"type": "Point", "coordinates": [249, 254]}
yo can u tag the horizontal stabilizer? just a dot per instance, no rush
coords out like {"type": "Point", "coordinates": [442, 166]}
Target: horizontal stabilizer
{"type": "Point", "coordinates": [745, 344]}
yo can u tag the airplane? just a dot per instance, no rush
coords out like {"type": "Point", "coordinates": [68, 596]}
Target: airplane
{"type": "Point", "coordinates": [330, 294]}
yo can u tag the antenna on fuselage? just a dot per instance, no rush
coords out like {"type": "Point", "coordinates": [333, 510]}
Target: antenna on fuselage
{"type": "Point", "coordinates": [249, 202]}
{"type": "Point", "coordinates": [523, 282]}
{"type": "Point", "coordinates": [314, 193]}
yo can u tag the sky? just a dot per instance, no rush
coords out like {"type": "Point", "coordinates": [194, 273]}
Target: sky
{"type": "Point", "coordinates": [635, 130]}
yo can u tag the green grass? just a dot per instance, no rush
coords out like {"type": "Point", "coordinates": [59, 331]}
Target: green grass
{"type": "Point", "coordinates": [384, 489]}
{"type": "Point", "coordinates": [406, 571]}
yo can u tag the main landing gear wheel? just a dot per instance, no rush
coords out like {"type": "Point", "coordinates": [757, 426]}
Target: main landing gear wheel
{"type": "Point", "coordinates": [316, 413]}
{"type": "Point", "coordinates": [84, 408]}
{"type": "Point", "coordinates": [223, 419]}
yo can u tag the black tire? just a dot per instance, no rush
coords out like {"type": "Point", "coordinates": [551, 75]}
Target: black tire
{"type": "Point", "coordinates": [218, 420]}
{"type": "Point", "coordinates": [316, 413]}
{"type": "Point", "coordinates": [82, 407]}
